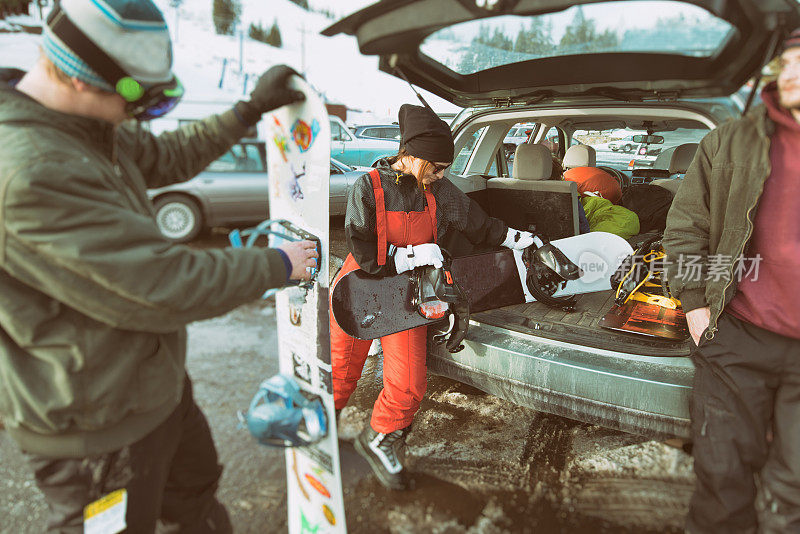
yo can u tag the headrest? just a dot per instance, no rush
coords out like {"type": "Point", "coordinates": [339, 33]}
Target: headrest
{"type": "Point", "coordinates": [579, 156]}
{"type": "Point", "coordinates": [682, 158]}
{"type": "Point", "coordinates": [532, 162]}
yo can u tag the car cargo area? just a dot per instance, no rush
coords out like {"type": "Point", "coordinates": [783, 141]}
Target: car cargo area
{"type": "Point", "coordinates": [564, 363]}
{"type": "Point", "coordinates": [580, 326]}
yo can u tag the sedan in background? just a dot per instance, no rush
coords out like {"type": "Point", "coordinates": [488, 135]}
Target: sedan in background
{"type": "Point", "coordinates": [232, 191]}
{"type": "Point", "coordinates": [378, 131]}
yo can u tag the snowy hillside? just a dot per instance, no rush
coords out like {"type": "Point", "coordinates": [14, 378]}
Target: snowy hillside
{"type": "Point", "coordinates": [333, 65]}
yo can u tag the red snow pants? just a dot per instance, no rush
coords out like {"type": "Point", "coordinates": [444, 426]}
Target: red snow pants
{"type": "Point", "coordinates": [404, 353]}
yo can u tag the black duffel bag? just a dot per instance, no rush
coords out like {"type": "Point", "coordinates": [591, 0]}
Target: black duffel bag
{"type": "Point", "coordinates": [651, 203]}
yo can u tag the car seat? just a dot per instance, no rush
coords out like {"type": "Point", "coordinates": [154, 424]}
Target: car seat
{"type": "Point", "coordinates": [531, 198]}
{"type": "Point", "coordinates": [682, 157]}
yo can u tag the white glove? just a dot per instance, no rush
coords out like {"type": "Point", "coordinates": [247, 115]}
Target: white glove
{"type": "Point", "coordinates": [410, 257]}
{"type": "Point", "coordinates": [517, 240]}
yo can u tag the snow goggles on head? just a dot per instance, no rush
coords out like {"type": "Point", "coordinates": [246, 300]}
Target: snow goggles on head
{"type": "Point", "coordinates": [143, 102]}
{"type": "Point", "coordinates": [152, 102]}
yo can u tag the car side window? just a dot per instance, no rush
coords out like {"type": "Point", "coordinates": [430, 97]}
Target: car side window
{"type": "Point", "coordinates": [338, 133]}
{"type": "Point", "coordinates": [390, 133]}
{"type": "Point", "coordinates": [554, 141]}
{"type": "Point", "coordinates": [240, 158]}
{"type": "Point", "coordinates": [462, 158]}
{"type": "Point", "coordinates": [493, 168]}
{"type": "Point", "coordinates": [370, 132]}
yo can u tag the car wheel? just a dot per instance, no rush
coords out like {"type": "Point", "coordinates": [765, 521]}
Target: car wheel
{"type": "Point", "coordinates": [178, 217]}
{"type": "Point", "coordinates": [628, 148]}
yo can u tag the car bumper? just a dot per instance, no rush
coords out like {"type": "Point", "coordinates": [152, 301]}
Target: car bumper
{"type": "Point", "coordinates": [632, 393]}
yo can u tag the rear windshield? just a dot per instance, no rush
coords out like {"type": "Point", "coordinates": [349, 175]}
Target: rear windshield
{"type": "Point", "coordinates": [635, 26]}
{"type": "Point", "coordinates": [617, 148]}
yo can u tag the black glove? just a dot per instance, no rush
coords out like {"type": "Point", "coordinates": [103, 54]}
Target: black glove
{"type": "Point", "coordinates": [270, 92]}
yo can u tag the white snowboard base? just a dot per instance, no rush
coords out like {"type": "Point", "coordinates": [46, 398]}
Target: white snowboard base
{"type": "Point", "coordinates": [598, 254]}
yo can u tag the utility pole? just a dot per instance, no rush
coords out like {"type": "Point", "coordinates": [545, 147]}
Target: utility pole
{"type": "Point", "coordinates": [303, 33]}
{"type": "Point", "coordinates": [241, 49]}
{"type": "Point", "coordinates": [176, 5]}
{"type": "Point", "coordinates": [303, 48]}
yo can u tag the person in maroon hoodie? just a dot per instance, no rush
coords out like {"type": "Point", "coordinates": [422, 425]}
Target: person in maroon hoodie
{"type": "Point", "coordinates": [736, 216]}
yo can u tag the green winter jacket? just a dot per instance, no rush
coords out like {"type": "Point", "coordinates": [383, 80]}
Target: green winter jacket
{"type": "Point", "coordinates": [604, 216]}
{"type": "Point", "coordinates": [714, 209]}
{"type": "Point", "coordinates": [93, 300]}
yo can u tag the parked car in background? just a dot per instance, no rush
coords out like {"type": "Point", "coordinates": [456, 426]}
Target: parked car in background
{"type": "Point", "coordinates": [358, 151]}
{"type": "Point", "coordinates": [518, 134]}
{"type": "Point", "coordinates": [232, 191]}
{"type": "Point", "coordinates": [342, 179]}
{"type": "Point", "coordinates": [378, 131]}
{"type": "Point", "coordinates": [625, 144]}
{"type": "Point", "coordinates": [554, 360]}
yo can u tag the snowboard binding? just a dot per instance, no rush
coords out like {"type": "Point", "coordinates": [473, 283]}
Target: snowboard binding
{"type": "Point", "coordinates": [436, 296]}
{"type": "Point", "coordinates": [287, 232]}
{"type": "Point", "coordinates": [548, 271]}
{"type": "Point", "coordinates": [640, 277]}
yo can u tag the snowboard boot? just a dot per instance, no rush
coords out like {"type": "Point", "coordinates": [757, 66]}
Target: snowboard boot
{"type": "Point", "coordinates": [383, 452]}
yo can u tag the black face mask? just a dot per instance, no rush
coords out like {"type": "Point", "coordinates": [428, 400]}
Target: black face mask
{"type": "Point", "coordinates": [143, 103]}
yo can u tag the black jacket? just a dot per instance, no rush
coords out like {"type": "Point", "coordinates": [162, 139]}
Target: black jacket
{"type": "Point", "coordinates": [454, 211]}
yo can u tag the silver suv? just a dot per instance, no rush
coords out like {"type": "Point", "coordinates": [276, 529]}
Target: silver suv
{"type": "Point", "coordinates": [525, 61]}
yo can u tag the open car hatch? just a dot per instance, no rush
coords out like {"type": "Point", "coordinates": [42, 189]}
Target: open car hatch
{"type": "Point", "coordinates": [479, 52]}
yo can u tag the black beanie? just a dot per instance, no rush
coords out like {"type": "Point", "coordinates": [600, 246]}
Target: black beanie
{"type": "Point", "coordinates": [424, 135]}
{"type": "Point", "coordinates": [792, 41]}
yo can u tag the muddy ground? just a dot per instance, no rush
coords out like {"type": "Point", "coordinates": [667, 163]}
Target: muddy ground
{"type": "Point", "coordinates": [479, 464]}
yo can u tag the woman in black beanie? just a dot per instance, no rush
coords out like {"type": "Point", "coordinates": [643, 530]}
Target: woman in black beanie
{"type": "Point", "coordinates": [395, 216]}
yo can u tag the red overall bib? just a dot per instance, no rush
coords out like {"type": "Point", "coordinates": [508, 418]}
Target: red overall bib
{"type": "Point", "coordinates": [404, 353]}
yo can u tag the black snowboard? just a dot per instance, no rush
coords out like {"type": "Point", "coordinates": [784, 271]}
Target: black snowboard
{"type": "Point", "coordinates": [369, 307]}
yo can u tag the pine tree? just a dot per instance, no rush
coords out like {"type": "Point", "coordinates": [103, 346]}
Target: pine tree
{"type": "Point", "coordinates": [226, 15]}
{"type": "Point", "coordinates": [274, 36]}
{"type": "Point", "coordinates": [257, 32]}
{"type": "Point", "coordinates": [581, 36]}
{"type": "Point", "coordinates": [14, 7]}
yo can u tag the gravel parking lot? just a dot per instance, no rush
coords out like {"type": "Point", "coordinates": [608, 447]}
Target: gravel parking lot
{"type": "Point", "coordinates": [479, 464]}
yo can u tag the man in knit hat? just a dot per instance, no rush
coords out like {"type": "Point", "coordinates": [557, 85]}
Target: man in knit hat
{"type": "Point", "coordinates": [93, 299]}
{"type": "Point", "coordinates": [738, 208]}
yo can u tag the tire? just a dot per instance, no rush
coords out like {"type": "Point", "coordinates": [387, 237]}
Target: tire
{"type": "Point", "coordinates": [627, 148]}
{"type": "Point", "coordinates": [178, 218]}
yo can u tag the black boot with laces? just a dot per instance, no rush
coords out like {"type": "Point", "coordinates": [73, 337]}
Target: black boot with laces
{"type": "Point", "coordinates": [383, 451]}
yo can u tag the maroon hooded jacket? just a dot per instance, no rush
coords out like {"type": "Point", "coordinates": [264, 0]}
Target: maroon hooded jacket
{"type": "Point", "coordinates": [772, 299]}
